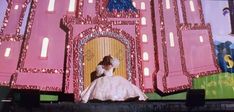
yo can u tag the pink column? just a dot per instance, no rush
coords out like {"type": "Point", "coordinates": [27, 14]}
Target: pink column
{"type": "Point", "coordinates": [147, 47]}
{"type": "Point", "coordinates": [172, 75]}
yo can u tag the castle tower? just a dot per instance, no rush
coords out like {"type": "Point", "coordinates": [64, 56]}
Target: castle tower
{"type": "Point", "coordinates": [184, 44]}
{"type": "Point", "coordinates": [12, 30]}
{"type": "Point", "coordinates": [149, 64]}
{"type": "Point", "coordinates": [41, 64]}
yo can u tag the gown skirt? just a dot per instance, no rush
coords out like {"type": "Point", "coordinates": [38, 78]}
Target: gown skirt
{"type": "Point", "coordinates": [114, 88]}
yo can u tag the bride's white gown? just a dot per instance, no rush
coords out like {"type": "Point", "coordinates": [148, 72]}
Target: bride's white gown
{"type": "Point", "coordinates": [109, 87]}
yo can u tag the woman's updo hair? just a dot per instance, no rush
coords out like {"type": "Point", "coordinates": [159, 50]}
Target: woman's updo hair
{"type": "Point", "coordinates": [106, 60]}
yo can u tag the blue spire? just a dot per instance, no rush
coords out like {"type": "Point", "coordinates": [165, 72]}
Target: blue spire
{"type": "Point", "coordinates": [120, 5]}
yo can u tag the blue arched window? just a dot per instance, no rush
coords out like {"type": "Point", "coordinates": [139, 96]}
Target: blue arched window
{"type": "Point", "coordinates": [120, 5]}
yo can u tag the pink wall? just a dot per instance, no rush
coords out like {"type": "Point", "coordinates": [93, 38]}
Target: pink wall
{"type": "Point", "coordinates": [45, 24]}
{"type": "Point", "coordinates": [199, 57]}
{"type": "Point", "coordinates": [46, 81]}
{"type": "Point", "coordinates": [10, 38]}
{"type": "Point", "coordinates": [8, 65]}
{"type": "Point", "coordinates": [89, 9]}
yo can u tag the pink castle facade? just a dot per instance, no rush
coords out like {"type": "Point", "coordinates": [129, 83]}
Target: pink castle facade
{"type": "Point", "coordinates": [164, 41]}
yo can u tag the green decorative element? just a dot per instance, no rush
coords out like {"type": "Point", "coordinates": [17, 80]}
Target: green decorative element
{"type": "Point", "coordinates": [45, 98]}
{"type": "Point", "coordinates": [178, 96]}
{"type": "Point", "coordinates": [217, 86]}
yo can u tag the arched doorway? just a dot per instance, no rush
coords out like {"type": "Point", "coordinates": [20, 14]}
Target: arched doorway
{"type": "Point", "coordinates": [96, 49]}
{"type": "Point", "coordinates": [79, 54]}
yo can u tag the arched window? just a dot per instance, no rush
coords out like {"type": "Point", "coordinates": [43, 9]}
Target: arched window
{"type": "Point", "coordinates": [145, 56]}
{"type": "Point", "coordinates": [201, 39]}
{"type": "Point", "coordinates": [168, 5]}
{"type": "Point", "coordinates": [143, 21]}
{"type": "Point", "coordinates": [51, 5]}
{"type": "Point", "coordinates": [72, 5]}
{"type": "Point", "coordinates": [90, 1]}
{"type": "Point", "coordinates": [7, 52]}
{"type": "Point", "coordinates": [44, 48]}
{"type": "Point", "coordinates": [142, 5]}
{"type": "Point", "coordinates": [144, 38]}
{"type": "Point", "coordinates": [172, 41]}
{"type": "Point", "coordinates": [146, 71]}
{"type": "Point", "coordinates": [192, 5]}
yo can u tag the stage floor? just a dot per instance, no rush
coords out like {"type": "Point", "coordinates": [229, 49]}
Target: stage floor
{"type": "Point", "coordinates": [149, 106]}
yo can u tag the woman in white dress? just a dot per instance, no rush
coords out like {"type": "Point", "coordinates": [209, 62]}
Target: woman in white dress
{"type": "Point", "coordinates": [110, 87]}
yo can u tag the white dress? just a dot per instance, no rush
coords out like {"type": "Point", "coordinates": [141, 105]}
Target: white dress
{"type": "Point", "coordinates": [109, 87]}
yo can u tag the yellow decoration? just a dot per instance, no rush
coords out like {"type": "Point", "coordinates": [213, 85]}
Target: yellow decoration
{"type": "Point", "coordinates": [229, 61]}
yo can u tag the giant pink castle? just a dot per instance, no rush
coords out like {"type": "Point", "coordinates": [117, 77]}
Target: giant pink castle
{"type": "Point", "coordinates": [167, 43]}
